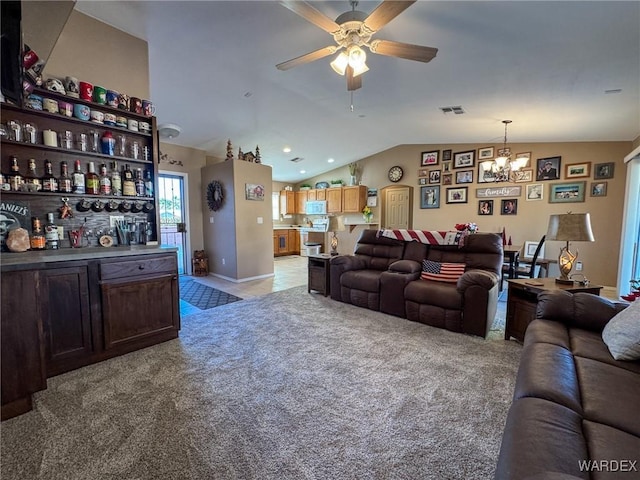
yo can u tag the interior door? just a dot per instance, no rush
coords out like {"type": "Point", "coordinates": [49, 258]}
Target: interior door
{"type": "Point", "coordinates": [397, 208]}
{"type": "Point", "coordinates": [173, 216]}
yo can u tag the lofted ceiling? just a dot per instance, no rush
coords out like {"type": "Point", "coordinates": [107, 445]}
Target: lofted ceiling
{"type": "Point", "coordinates": [562, 71]}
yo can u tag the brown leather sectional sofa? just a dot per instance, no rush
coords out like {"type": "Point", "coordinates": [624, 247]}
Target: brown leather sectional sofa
{"type": "Point", "coordinates": [576, 410]}
{"type": "Point", "coordinates": [384, 274]}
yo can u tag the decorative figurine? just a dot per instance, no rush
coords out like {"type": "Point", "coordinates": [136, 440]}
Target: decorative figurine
{"type": "Point", "coordinates": [229, 150]}
{"type": "Point", "coordinates": [65, 209]}
{"type": "Point", "coordinates": [258, 158]}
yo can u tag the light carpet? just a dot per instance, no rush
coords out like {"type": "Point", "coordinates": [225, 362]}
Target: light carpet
{"type": "Point", "coordinates": [290, 385]}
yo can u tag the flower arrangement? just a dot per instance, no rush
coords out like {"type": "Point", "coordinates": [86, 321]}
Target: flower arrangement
{"type": "Point", "coordinates": [353, 167]}
{"type": "Point", "coordinates": [468, 227]}
{"type": "Point", "coordinates": [367, 214]}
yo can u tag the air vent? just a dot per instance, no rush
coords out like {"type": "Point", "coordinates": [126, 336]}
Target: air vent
{"type": "Point", "coordinates": [296, 159]}
{"type": "Point", "coordinates": [456, 109]}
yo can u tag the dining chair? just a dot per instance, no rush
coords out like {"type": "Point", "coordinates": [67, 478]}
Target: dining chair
{"type": "Point", "coordinates": [526, 269]}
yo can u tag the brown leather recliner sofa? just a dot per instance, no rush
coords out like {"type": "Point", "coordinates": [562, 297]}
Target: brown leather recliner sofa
{"type": "Point", "coordinates": [575, 410]}
{"type": "Point", "coordinates": [384, 274]}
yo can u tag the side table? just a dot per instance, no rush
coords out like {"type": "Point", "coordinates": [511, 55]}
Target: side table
{"type": "Point", "coordinates": [319, 273]}
{"type": "Point", "coordinates": [523, 300]}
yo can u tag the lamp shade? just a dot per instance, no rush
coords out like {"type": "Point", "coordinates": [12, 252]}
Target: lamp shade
{"type": "Point", "coordinates": [336, 224]}
{"type": "Point", "coordinates": [570, 227]}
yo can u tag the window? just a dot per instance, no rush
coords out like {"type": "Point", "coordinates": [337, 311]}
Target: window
{"type": "Point", "coordinates": [275, 206]}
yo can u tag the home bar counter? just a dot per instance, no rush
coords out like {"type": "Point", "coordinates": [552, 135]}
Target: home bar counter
{"type": "Point", "coordinates": [64, 309]}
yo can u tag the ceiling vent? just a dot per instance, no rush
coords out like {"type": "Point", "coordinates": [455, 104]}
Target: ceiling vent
{"type": "Point", "coordinates": [296, 159]}
{"type": "Point", "coordinates": [456, 109]}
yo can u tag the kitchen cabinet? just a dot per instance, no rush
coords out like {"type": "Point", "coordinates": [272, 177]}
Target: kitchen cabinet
{"type": "Point", "coordinates": [312, 194]}
{"type": "Point", "coordinates": [286, 242]}
{"type": "Point", "coordinates": [294, 242]}
{"type": "Point", "coordinates": [301, 200]}
{"type": "Point", "coordinates": [287, 202]}
{"type": "Point", "coordinates": [40, 203]}
{"type": "Point", "coordinates": [354, 198]}
{"type": "Point", "coordinates": [334, 200]}
{"type": "Point", "coordinates": [321, 194]}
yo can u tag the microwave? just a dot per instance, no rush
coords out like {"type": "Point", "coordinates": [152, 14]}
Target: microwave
{"type": "Point", "coordinates": [316, 207]}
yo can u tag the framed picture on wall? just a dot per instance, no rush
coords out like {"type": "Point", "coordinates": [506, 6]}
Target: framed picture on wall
{"type": "Point", "coordinates": [464, 176]}
{"type": "Point", "coordinates": [535, 191]}
{"type": "Point", "coordinates": [430, 197]}
{"type": "Point", "coordinates": [464, 159]}
{"type": "Point", "coordinates": [447, 179]}
{"type": "Point", "coordinates": [485, 153]}
{"type": "Point", "coordinates": [577, 170]}
{"type": "Point", "coordinates": [457, 195]}
{"type": "Point", "coordinates": [434, 176]}
{"type": "Point", "coordinates": [548, 168]}
{"type": "Point", "coordinates": [429, 158]}
{"type": "Point", "coordinates": [509, 206]}
{"type": "Point", "coordinates": [485, 207]}
{"type": "Point", "coordinates": [599, 189]}
{"type": "Point", "coordinates": [567, 192]}
{"type": "Point", "coordinates": [603, 171]}
{"type": "Point", "coordinates": [446, 155]}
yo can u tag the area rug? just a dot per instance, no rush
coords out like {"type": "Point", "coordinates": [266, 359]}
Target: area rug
{"type": "Point", "coordinates": [289, 385]}
{"type": "Point", "coordinates": [203, 296]}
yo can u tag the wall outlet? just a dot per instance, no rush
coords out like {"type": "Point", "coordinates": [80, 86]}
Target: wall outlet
{"type": "Point", "coordinates": [260, 220]}
{"type": "Point", "coordinates": [224, 261]}
{"type": "Point", "coordinates": [210, 219]}
{"type": "Point", "coordinates": [578, 266]}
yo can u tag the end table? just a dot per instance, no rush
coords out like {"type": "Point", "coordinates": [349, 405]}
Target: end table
{"type": "Point", "coordinates": [522, 301]}
{"type": "Point", "coordinates": [319, 273]}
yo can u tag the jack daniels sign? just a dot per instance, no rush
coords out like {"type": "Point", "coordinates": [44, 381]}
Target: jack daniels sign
{"type": "Point", "coordinates": [13, 215]}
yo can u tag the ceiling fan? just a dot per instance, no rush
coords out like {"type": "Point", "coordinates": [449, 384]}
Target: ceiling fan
{"type": "Point", "coordinates": [353, 30]}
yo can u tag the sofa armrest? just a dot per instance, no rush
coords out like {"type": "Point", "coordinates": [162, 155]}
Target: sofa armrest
{"type": "Point", "coordinates": [577, 310]}
{"type": "Point", "coordinates": [405, 266]}
{"type": "Point", "coordinates": [480, 278]}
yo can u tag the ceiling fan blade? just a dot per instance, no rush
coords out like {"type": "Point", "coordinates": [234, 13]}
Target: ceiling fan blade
{"type": "Point", "coordinates": [385, 12]}
{"type": "Point", "coordinates": [403, 50]}
{"type": "Point", "coordinates": [312, 15]}
{"type": "Point", "coordinates": [309, 57]}
{"type": "Point", "coordinates": [353, 83]}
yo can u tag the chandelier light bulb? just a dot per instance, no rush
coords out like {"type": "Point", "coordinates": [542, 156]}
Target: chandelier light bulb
{"type": "Point", "coordinates": [340, 63]}
{"type": "Point", "coordinates": [357, 57]}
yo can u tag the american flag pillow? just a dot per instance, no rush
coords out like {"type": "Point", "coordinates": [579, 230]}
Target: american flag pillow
{"type": "Point", "coordinates": [441, 272]}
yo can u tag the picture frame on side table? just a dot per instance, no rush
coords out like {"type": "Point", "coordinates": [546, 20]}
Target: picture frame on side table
{"type": "Point", "coordinates": [457, 195]}
{"type": "Point", "coordinates": [430, 196]}
{"type": "Point", "coordinates": [599, 189]}
{"type": "Point", "coordinates": [571, 192]}
{"type": "Point", "coordinates": [602, 171]}
{"type": "Point", "coordinates": [429, 158]}
{"type": "Point", "coordinates": [464, 159]}
{"type": "Point", "coordinates": [577, 170]}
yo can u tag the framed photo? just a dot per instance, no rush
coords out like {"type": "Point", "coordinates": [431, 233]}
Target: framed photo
{"type": "Point", "coordinates": [548, 168]}
{"type": "Point", "coordinates": [446, 166]}
{"type": "Point", "coordinates": [530, 249]}
{"type": "Point", "coordinates": [526, 155]}
{"type": "Point", "coordinates": [509, 206]}
{"type": "Point", "coordinates": [464, 176]}
{"type": "Point", "coordinates": [447, 179]}
{"type": "Point", "coordinates": [603, 171]}
{"type": "Point", "coordinates": [535, 191]}
{"type": "Point", "coordinates": [577, 170]}
{"type": "Point", "coordinates": [599, 189]}
{"type": "Point", "coordinates": [486, 176]}
{"type": "Point", "coordinates": [254, 191]}
{"type": "Point", "coordinates": [434, 176]}
{"type": "Point", "coordinates": [504, 152]}
{"type": "Point", "coordinates": [464, 159]}
{"type": "Point", "coordinates": [429, 158]}
{"type": "Point", "coordinates": [446, 155]}
{"type": "Point", "coordinates": [567, 192]}
{"type": "Point", "coordinates": [485, 207]}
{"type": "Point", "coordinates": [485, 153]}
{"type": "Point", "coordinates": [430, 197]}
{"type": "Point", "coordinates": [422, 180]}
{"type": "Point", "coordinates": [423, 172]}
{"type": "Point", "coordinates": [457, 195]}
{"type": "Point", "coordinates": [521, 176]}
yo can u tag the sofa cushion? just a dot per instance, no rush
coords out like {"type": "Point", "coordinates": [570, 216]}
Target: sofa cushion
{"type": "Point", "coordinates": [442, 272]}
{"type": "Point", "coordinates": [440, 294]}
{"type": "Point", "coordinates": [365, 280]}
{"type": "Point", "coordinates": [622, 333]}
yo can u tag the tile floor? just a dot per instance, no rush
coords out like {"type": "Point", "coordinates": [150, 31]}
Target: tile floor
{"type": "Point", "coordinates": [289, 271]}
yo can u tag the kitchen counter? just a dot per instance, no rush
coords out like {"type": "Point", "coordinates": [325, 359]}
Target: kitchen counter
{"type": "Point", "coordinates": [31, 258]}
{"type": "Point", "coordinates": [287, 227]}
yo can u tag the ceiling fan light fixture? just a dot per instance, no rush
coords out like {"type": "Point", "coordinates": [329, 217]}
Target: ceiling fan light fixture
{"type": "Point", "coordinates": [357, 57]}
{"type": "Point", "coordinates": [340, 63]}
{"type": "Point", "coordinates": [360, 70]}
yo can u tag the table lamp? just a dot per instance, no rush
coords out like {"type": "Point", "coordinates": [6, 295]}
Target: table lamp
{"type": "Point", "coordinates": [569, 227]}
{"type": "Point", "coordinates": [336, 224]}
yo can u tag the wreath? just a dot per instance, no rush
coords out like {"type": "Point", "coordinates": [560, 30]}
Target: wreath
{"type": "Point", "coordinates": [214, 195]}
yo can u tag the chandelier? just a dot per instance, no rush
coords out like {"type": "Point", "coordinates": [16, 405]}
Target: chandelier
{"type": "Point", "coordinates": [503, 166]}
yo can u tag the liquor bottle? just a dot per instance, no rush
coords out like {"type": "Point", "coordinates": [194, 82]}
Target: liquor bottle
{"type": "Point", "coordinates": [51, 233]}
{"type": "Point", "coordinates": [49, 181]}
{"type": "Point", "coordinates": [148, 184]}
{"type": "Point", "coordinates": [37, 239]}
{"type": "Point", "coordinates": [65, 183]}
{"type": "Point", "coordinates": [128, 183]}
{"type": "Point", "coordinates": [15, 178]}
{"type": "Point", "coordinates": [105, 181]}
{"type": "Point", "coordinates": [116, 180]}
{"type": "Point", "coordinates": [139, 183]}
{"type": "Point", "coordinates": [78, 179]}
{"type": "Point", "coordinates": [31, 178]}
{"type": "Point", "coordinates": [92, 181]}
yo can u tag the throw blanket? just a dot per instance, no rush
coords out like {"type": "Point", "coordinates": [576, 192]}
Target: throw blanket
{"type": "Point", "coordinates": [430, 237]}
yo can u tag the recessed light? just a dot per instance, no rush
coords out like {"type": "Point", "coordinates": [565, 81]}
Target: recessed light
{"type": "Point", "coordinates": [286, 149]}
{"type": "Point", "coordinates": [331, 160]}
{"type": "Point", "coordinates": [303, 171]}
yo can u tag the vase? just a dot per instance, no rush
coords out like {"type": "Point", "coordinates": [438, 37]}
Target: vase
{"type": "Point", "coordinates": [352, 180]}
{"type": "Point", "coordinates": [367, 218]}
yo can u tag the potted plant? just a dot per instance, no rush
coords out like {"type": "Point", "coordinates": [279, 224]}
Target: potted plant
{"type": "Point", "coordinates": [305, 186]}
{"type": "Point", "coordinates": [336, 183]}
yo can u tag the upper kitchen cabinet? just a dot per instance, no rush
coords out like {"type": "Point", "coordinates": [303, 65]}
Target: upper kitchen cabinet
{"type": "Point", "coordinates": [287, 202]}
{"type": "Point", "coordinates": [301, 200]}
{"type": "Point", "coordinates": [334, 200]}
{"type": "Point", "coordinates": [354, 198]}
